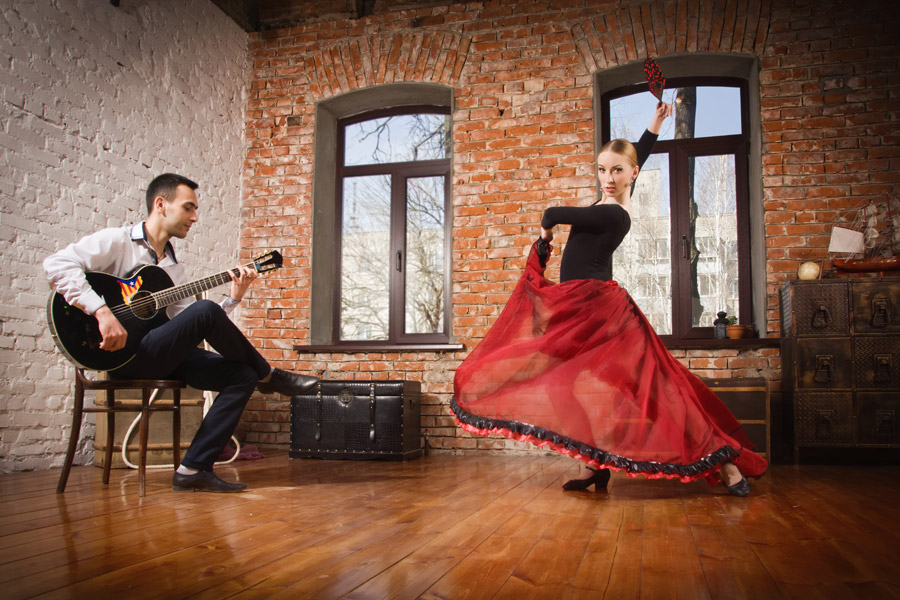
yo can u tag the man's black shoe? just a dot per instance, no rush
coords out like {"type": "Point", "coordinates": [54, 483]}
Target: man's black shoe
{"type": "Point", "coordinates": [287, 383]}
{"type": "Point", "coordinates": [204, 481]}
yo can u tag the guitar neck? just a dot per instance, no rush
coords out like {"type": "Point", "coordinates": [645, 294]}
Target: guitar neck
{"type": "Point", "coordinates": [175, 294]}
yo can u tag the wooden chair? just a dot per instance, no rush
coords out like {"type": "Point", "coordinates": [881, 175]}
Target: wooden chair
{"type": "Point", "coordinates": [111, 386]}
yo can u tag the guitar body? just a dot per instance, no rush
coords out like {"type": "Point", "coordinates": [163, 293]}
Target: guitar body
{"type": "Point", "coordinates": [78, 335]}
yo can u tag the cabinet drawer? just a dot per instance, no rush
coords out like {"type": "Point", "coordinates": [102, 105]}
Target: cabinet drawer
{"type": "Point", "coordinates": [876, 362]}
{"type": "Point", "coordinates": [878, 417]}
{"type": "Point", "coordinates": [820, 308]}
{"type": "Point", "coordinates": [825, 418]}
{"type": "Point", "coordinates": [876, 306]}
{"type": "Point", "coordinates": [823, 363]}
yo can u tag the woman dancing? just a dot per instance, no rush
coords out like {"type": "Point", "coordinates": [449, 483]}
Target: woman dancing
{"type": "Point", "coordinates": [576, 366]}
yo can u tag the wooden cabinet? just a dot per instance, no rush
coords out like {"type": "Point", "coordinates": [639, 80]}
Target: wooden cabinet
{"type": "Point", "coordinates": [840, 347]}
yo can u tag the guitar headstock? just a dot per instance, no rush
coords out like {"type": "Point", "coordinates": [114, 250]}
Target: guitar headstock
{"type": "Point", "coordinates": [269, 261]}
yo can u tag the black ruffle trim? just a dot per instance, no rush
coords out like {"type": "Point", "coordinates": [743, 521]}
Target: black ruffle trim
{"type": "Point", "coordinates": [693, 470]}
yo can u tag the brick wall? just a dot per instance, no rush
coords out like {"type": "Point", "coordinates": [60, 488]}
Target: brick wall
{"type": "Point", "coordinates": [96, 100]}
{"type": "Point", "coordinates": [524, 139]}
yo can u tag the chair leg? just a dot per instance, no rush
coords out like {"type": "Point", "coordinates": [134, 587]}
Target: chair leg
{"type": "Point", "coordinates": [176, 427]}
{"type": "Point", "coordinates": [73, 436]}
{"type": "Point", "coordinates": [110, 433]}
{"type": "Point", "coordinates": [144, 438]}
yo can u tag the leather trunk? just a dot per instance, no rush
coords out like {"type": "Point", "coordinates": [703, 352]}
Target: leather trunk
{"type": "Point", "coordinates": [359, 420]}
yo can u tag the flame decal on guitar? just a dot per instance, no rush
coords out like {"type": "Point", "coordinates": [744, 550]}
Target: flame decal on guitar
{"type": "Point", "coordinates": [130, 288]}
{"type": "Point", "coordinates": [138, 301]}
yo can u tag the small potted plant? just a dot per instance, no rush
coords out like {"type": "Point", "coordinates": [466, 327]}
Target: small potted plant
{"type": "Point", "coordinates": [735, 331]}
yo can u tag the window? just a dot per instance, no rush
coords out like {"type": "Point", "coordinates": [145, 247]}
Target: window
{"type": "Point", "coordinates": [332, 115]}
{"type": "Point", "coordinates": [691, 203]}
{"type": "Point", "coordinates": [392, 227]}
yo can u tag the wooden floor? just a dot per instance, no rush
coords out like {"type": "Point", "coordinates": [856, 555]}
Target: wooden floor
{"type": "Point", "coordinates": [450, 527]}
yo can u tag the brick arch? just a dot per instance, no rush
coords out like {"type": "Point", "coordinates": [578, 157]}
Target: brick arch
{"type": "Point", "coordinates": [656, 28]}
{"type": "Point", "coordinates": [425, 57]}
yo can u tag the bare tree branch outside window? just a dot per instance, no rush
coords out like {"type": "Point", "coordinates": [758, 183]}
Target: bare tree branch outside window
{"type": "Point", "coordinates": [425, 255]}
{"type": "Point", "coordinates": [399, 138]}
{"type": "Point", "coordinates": [365, 258]}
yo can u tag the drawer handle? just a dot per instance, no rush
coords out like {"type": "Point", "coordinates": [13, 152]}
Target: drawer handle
{"type": "Point", "coordinates": [821, 318]}
{"type": "Point", "coordinates": [883, 363]}
{"type": "Point", "coordinates": [881, 312]}
{"type": "Point", "coordinates": [884, 423]}
{"type": "Point", "coordinates": [824, 368]}
{"type": "Point", "coordinates": [824, 424]}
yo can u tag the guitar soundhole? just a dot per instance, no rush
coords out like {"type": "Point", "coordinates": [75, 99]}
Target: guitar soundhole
{"type": "Point", "coordinates": [143, 305]}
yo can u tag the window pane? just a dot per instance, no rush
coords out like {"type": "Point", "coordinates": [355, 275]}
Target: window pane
{"type": "Point", "coordinates": [713, 225]}
{"type": "Point", "coordinates": [365, 257]}
{"type": "Point", "coordinates": [702, 111]}
{"type": "Point", "coordinates": [398, 138]}
{"type": "Point", "coordinates": [425, 255]}
{"type": "Point", "coordinates": [641, 264]}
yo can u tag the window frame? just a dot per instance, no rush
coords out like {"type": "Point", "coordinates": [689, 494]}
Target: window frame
{"type": "Point", "coordinates": [400, 173]}
{"type": "Point", "coordinates": [679, 151]}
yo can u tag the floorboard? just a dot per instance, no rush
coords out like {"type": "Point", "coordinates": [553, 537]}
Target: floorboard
{"type": "Point", "coordinates": [450, 527]}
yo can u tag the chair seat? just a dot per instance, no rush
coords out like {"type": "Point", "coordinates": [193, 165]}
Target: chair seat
{"type": "Point", "coordinates": [131, 384]}
{"type": "Point", "coordinates": [110, 387]}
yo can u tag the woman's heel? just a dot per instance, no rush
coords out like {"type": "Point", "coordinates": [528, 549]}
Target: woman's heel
{"type": "Point", "coordinates": [740, 488]}
{"type": "Point", "coordinates": [599, 479]}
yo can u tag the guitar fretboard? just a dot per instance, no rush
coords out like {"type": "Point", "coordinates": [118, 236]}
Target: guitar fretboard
{"type": "Point", "coordinates": [172, 295]}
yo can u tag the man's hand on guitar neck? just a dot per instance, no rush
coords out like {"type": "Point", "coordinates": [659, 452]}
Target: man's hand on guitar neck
{"type": "Point", "coordinates": [114, 335]}
{"type": "Point", "coordinates": [240, 282]}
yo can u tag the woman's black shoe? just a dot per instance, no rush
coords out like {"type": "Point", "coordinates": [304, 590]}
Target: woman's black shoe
{"type": "Point", "coordinates": [599, 479]}
{"type": "Point", "coordinates": [741, 488]}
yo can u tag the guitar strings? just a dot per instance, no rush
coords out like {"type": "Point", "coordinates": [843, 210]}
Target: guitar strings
{"type": "Point", "coordinates": [129, 311]}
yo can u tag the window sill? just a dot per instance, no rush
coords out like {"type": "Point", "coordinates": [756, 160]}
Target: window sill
{"type": "Point", "coordinates": [714, 344]}
{"type": "Point", "coordinates": [701, 344]}
{"type": "Point", "coordinates": [361, 348]}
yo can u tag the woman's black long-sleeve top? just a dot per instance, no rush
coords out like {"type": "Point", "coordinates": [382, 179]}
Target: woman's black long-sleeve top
{"type": "Point", "coordinates": [596, 230]}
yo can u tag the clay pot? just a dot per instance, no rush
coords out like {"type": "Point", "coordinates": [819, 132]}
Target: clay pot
{"type": "Point", "coordinates": [737, 332]}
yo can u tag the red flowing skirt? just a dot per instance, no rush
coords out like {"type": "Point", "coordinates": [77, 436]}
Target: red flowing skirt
{"type": "Point", "coordinates": [576, 367]}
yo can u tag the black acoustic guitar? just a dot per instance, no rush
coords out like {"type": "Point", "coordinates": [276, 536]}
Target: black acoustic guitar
{"type": "Point", "coordinates": [137, 301]}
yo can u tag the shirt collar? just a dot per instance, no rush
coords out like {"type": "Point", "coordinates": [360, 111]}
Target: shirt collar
{"type": "Point", "coordinates": [139, 234]}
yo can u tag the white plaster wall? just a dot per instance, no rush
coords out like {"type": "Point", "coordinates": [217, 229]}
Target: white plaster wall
{"type": "Point", "coordinates": [95, 101]}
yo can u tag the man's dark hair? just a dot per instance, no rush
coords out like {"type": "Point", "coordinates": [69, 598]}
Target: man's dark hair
{"type": "Point", "coordinates": [164, 185]}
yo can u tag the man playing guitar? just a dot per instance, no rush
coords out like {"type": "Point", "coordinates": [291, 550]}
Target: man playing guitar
{"type": "Point", "coordinates": [170, 350]}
